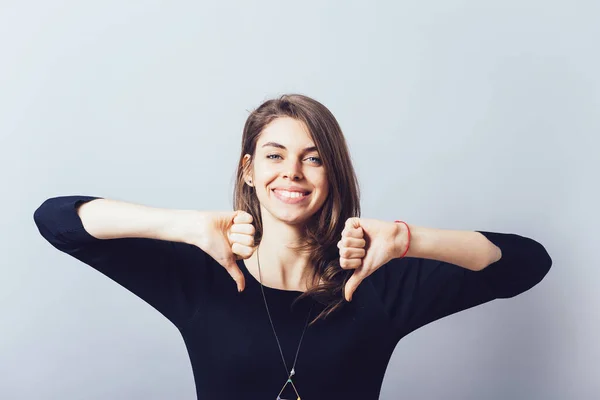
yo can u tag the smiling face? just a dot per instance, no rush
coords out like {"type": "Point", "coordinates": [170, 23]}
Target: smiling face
{"type": "Point", "coordinates": [288, 175]}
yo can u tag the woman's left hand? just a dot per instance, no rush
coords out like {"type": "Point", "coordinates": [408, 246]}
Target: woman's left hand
{"type": "Point", "coordinates": [366, 245]}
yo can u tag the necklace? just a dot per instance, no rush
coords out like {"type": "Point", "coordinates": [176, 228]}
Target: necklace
{"type": "Point", "coordinates": [293, 370]}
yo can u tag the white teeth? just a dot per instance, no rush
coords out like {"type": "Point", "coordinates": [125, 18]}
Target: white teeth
{"type": "Point", "coordinates": [292, 195]}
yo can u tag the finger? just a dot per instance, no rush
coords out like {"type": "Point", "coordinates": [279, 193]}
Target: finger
{"type": "Point", "coordinates": [350, 263]}
{"type": "Point", "coordinates": [234, 271]}
{"type": "Point", "coordinates": [351, 242]}
{"type": "Point", "coordinates": [357, 277]}
{"type": "Point", "coordinates": [243, 239]}
{"type": "Point", "coordinates": [353, 232]}
{"type": "Point", "coordinates": [242, 217]}
{"type": "Point", "coordinates": [248, 229]}
{"type": "Point", "coordinates": [352, 223]}
{"type": "Point", "coordinates": [350, 252]}
{"type": "Point", "coordinates": [242, 251]}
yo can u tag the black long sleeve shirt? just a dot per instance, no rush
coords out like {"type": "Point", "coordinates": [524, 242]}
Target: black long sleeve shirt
{"type": "Point", "coordinates": [229, 338]}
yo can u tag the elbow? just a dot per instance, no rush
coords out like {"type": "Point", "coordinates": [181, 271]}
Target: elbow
{"type": "Point", "coordinates": [544, 264]}
{"type": "Point", "coordinates": [538, 266]}
{"type": "Point", "coordinates": [518, 271]}
{"type": "Point", "coordinates": [540, 270]}
{"type": "Point", "coordinates": [42, 211]}
{"type": "Point", "coordinates": [39, 218]}
{"type": "Point", "coordinates": [41, 214]}
{"type": "Point", "coordinates": [38, 215]}
{"type": "Point", "coordinates": [45, 218]}
{"type": "Point", "coordinates": [540, 261]}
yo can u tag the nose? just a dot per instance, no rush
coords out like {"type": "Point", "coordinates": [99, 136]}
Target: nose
{"type": "Point", "coordinates": [293, 171]}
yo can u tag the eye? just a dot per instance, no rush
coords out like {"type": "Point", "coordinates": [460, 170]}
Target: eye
{"type": "Point", "coordinates": [315, 160]}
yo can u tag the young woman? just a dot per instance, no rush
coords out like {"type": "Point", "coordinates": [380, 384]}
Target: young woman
{"type": "Point", "coordinates": [320, 296]}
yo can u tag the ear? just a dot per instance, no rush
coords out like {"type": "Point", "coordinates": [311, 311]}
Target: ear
{"type": "Point", "coordinates": [246, 166]}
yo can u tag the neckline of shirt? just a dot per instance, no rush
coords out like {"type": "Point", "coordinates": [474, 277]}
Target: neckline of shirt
{"type": "Point", "coordinates": [253, 281]}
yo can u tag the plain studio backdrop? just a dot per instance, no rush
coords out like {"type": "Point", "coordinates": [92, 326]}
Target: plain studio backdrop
{"type": "Point", "coordinates": [459, 115]}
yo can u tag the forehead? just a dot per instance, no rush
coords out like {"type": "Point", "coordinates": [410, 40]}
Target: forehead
{"type": "Point", "coordinates": [286, 131]}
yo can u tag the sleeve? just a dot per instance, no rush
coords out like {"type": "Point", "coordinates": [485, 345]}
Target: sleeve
{"type": "Point", "coordinates": [170, 276]}
{"type": "Point", "coordinates": [417, 291]}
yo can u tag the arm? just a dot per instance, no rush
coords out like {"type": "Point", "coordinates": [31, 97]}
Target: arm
{"type": "Point", "coordinates": [450, 271]}
{"type": "Point", "coordinates": [114, 219]}
{"type": "Point", "coordinates": [470, 250]}
{"type": "Point", "coordinates": [135, 246]}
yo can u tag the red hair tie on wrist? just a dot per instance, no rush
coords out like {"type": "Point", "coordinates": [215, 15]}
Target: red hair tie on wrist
{"type": "Point", "coordinates": [407, 247]}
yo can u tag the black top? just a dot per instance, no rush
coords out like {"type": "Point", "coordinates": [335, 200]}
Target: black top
{"type": "Point", "coordinates": [228, 335]}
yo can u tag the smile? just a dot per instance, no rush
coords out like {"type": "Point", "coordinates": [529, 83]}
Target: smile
{"type": "Point", "coordinates": [291, 197]}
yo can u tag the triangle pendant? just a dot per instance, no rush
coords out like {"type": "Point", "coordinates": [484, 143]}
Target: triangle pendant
{"type": "Point", "coordinates": [289, 381]}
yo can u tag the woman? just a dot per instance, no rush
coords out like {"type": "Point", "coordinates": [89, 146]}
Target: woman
{"type": "Point", "coordinates": [323, 296]}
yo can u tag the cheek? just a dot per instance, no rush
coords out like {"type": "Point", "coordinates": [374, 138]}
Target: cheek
{"type": "Point", "coordinates": [322, 184]}
{"type": "Point", "coordinates": [323, 190]}
{"type": "Point", "coordinates": [262, 179]}
{"type": "Point", "coordinates": [325, 193]}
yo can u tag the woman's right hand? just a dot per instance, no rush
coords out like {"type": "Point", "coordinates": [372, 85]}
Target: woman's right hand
{"type": "Point", "coordinates": [226, 236]}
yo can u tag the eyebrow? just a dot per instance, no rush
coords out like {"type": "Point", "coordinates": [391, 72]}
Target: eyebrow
{"type": "Point", "coordinates": [280, 146]}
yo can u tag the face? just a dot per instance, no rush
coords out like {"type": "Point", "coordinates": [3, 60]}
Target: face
{"type": "Point", "coordinates": [289, 177]}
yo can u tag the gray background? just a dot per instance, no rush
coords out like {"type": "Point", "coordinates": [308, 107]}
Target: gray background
{"type": "Point", "coordinates": [459, 115]}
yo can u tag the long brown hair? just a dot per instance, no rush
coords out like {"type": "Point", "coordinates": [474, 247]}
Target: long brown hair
{"type": "Point", "coordinates": [324, 229]}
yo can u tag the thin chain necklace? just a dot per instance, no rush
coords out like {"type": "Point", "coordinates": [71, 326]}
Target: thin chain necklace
{"type": "Point", "coordinates": [293, 370]}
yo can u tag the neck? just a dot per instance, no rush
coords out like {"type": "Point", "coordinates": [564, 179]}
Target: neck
{"type": "Point", "coordinates": [281, 266]}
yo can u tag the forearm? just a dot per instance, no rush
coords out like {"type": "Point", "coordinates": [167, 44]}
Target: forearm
{"type": "Point", "coordinates": [112, 219]}
{"type": "Point", "coordinates": [467, 249]}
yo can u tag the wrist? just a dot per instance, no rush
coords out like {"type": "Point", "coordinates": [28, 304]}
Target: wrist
{"type": "Point", "coordinates": [401, 240]}
{"type": "Point", "coordinates": [185, 226]}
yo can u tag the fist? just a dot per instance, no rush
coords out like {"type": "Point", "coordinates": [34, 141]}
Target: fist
{"type": "Point", "coordinates": [227, 236]}
{"type": "Point", "coordinates": [241, 235]}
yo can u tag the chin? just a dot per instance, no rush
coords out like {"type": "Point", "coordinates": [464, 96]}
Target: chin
{"type": "Point", "coordinates": [292, 217]}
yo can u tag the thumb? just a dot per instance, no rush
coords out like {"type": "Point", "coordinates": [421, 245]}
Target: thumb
{"type": "Point", "coordinates": [226, 218]}
{"type": "Point", "coordinates": [353, 223]}
{"type": "Point", "coordinates": [234, 271]}
{"type": "Point", "coordinates": [353, 282]}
